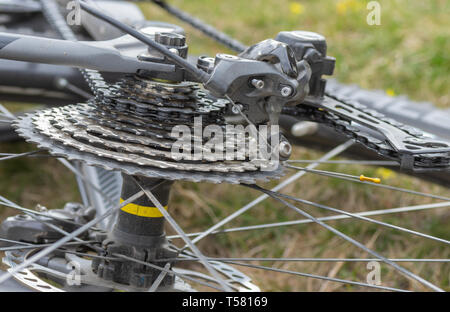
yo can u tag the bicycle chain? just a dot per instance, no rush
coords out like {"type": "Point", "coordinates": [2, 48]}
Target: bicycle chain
{"type": "Point", "coordinates": [51, 12]}
{"type": "Point", "coordinates": [210, 31]}
{"type": "Point", "coordinates": [434, 161]}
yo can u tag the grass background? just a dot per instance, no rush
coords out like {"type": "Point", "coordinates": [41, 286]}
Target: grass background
{"type": "Point", "coordinates": [406, 54]}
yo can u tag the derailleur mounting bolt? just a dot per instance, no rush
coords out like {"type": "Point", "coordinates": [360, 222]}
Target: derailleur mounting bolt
{"type": "Point", "coordinates": [286, 91]}
{"type": "Point", "coordinates": [285, 149]}
{"type": "Point", "coordinates": [258, 83]}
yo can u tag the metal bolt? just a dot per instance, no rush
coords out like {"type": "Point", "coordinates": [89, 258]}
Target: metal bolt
{"type": "Point", "coordinates": [258, 83]}
{"type": "Point", "coordinates": [229, 56]}
{"type": "Point", "coordinates": [61, 83]}
{"type": "Point", "coordinates": [285, 149]}
{"type": "Point", "coordinates": [236, 109]}
{"type": "Point", "coordinates": [286, 91]}
{"type": "Point", "coordinates": [174, 51]}
{"type": "Point", "coordinates": [41, 208]}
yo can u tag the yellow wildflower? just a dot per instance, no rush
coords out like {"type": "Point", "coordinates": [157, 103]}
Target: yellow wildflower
{"type": "Point", "coordinates": [390, 92]}
{"type": "Point", "coordinates": [343, 6]}
{"type": "Point", "coordinates": [385, 173]}
{"type": "Point", "coordinates": [296, 8]}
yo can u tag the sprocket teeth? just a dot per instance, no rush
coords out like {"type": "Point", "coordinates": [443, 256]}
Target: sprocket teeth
{"type": "Point", "coordinates": [42, 136]}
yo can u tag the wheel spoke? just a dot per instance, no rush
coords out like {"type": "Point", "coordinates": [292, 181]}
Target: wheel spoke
{"type": "Point", "coordinates": [32, 154]}
{"type": "Point", "coordinates": [66, 239]}
{"type": "Point", "coordinates": [6, 113]}
{"type": "Point", "coordinates": [107, 223]}
{"type": "Point", "coordinates": [23, 245]}
{"type": "Point", "coordinates": [306, 202]}
{"type": "Point", "coordinates": [329, 218]}
{"type": "Point", "coordinates": [117, 257]}
{"type": "Point", "coordinates": [253, 130]}
{"type": "Point", "coordinates": [248, 259]}
{"type": "Point", "coordinates": [332, 174]}
{"type": "Point", "coordinates": [61, 231]}
{"type": "Point", "coordinates": [160, 278]}
{"type": "Point", "coordinates": [56, 228]}
{"type": "Point", "coordinates": [82, 177]}
{"type": "Point", "coordinates": [12, 156]}
{"type": "Point", "coordinates": [188, 242]}
{"type": "Point", "coordinates": [334, 152]}
{"type": "Point", "coordinates": [347, 162]}
{"type": "Point", "coordinates": [356, 243]}
{"type": "Point", "coordinates": [327, 278]}
{"type": "Point", "coordinates": [343, 177]}
{"type": "Point", "coordinates": [66, 85]}
{"type": "Point", "coordinates": [183, 276]}
{"type": "Point", "coordinates": [6, 202]}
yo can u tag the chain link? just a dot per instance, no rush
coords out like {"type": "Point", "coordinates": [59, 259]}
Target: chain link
{"type": "Point", "coordinates": [434, 161]}
{"type": "Point", "coordinates": [53, 15]}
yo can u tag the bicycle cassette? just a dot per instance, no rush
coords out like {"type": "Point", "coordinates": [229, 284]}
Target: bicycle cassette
{"type": "Point", "coordinates": [130, 128]}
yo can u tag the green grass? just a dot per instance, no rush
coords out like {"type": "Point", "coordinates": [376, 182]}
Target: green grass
{"type": "Point", "coordinates": [30, 181]}
{"type": "Point", "coordinates": [406, 54]}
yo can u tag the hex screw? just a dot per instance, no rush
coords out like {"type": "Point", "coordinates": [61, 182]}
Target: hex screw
{"type": "Point", "coordinates": [285, 149]}
{"type": "Point", "coordinates": [258, 83]}
{"type": "Point", "coordinates": [286, 91]}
